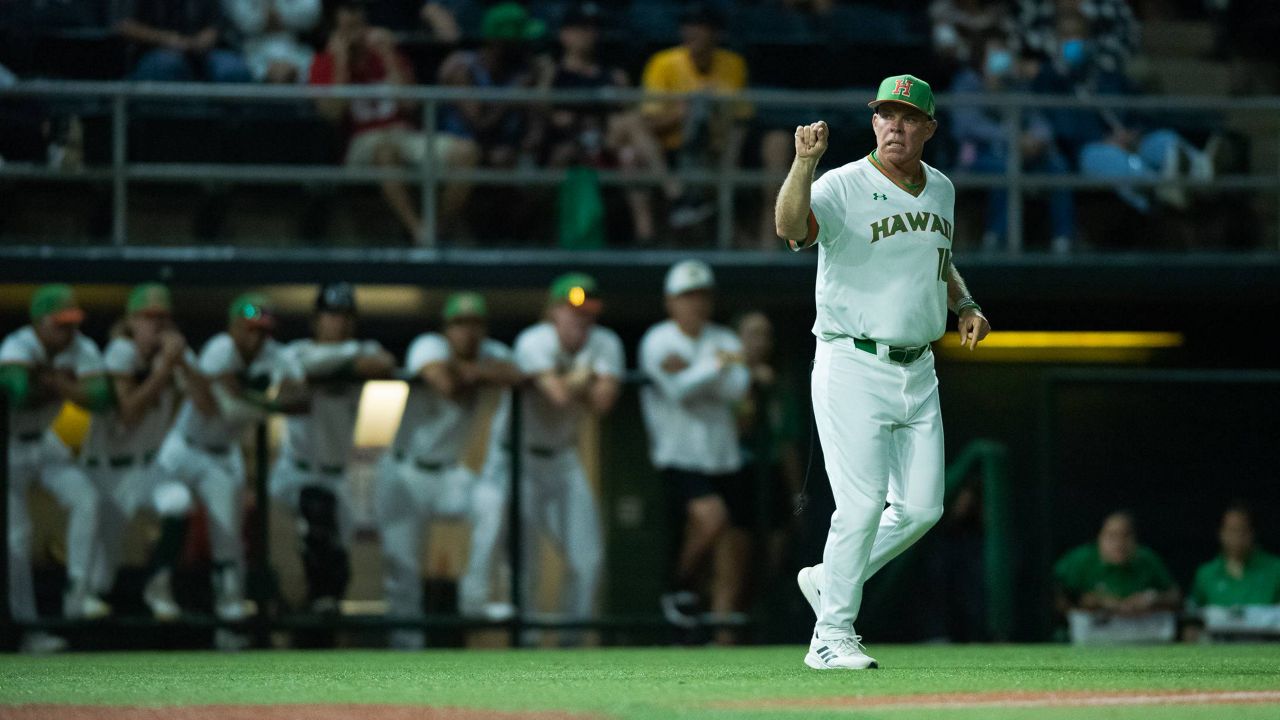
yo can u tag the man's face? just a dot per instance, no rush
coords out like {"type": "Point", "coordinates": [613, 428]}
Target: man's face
{"type": "Point", "coordinates": [248, 337]}
{"type": "Point", "coordinates": [691, 309]}
{"type": "Point", "coordinates": [146, 328]}
{"type": "Point", "coordinates": [55, 336]}
{"type": "Point", "coordinates": [464, 335]}
{"type": "Point", "coordinates": [334, 327]}
{"type": "Point", "coordinates": [1236, 535]}
{"type": "Point", "coordinates": [699, 37]}
{"type": "Point", "coordinates": [756, 333]}
{"type": "Point", "coordinates": [1117, 541]}
{"type": "Point", "coordinates": [901, 132]}
{"type": "Point", "coordinates": [572, 326]}
{"type": "Point", "coordinates": [579, 39]}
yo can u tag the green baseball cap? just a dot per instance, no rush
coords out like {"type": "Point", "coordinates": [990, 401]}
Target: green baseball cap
{"type": "Point", "coordinates": [510, 21]}
{"type": "Point", "coordinates": [905, 89]}
{"type": "Point", "coordinates": [465, 305]}
{"type": "Point", "coordinates": [56, 300]}
{"type": "Point", "coordinates": [149, 299]}
{"type": "Point", "coordinates": [577, 290]}
{"type": "Point", "coordinates": [254, 309]}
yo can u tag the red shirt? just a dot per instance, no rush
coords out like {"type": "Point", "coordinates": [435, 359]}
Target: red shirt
{"type": "Point", "coordinates": [366, 69]}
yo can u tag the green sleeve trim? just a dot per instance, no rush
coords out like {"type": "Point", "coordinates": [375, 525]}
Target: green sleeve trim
{"type": "Point", "coordinates": [98, 393]}
{"type": "Point", "coordinates": [15, 381]}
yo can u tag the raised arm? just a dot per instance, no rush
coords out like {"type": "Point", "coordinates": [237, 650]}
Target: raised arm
{"type": "Point", "coordinates": [791, 213]}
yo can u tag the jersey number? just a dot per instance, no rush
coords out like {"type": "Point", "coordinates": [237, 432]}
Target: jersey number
{"type": "Point", "coordinates": [944, 262]}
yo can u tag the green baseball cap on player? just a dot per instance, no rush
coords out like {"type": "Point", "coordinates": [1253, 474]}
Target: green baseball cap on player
{"type": "Point", "coordinates": [905, 89]}
{"type": "Point", "coordinates": [577, 290]}
{"type": "Point", "coordinates": [253, 309]}
{"type": "Point", "coordinates": [465, 305]}
{"type": "Point", "coordinates": [58, 301]}
{"type": "Point", "coordinates": [149, 299]}
{"type": "Point", "coordinates": [510, 21]}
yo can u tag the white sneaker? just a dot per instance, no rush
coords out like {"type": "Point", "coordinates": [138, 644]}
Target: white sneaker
{"type": "Point", "coordinates": [158, 595]}
{"type": "Point", "coordinates": [843, 654]}
{"type": "Point", "coordinates": [77, 606]}
{"type": "Point", "coordinates": [809, 588]}
{"type": "Point", "coordinates": [42, 643]}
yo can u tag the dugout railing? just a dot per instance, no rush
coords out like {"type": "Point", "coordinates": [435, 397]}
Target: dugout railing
{"type": "Point", "coordinates": [118, 101]}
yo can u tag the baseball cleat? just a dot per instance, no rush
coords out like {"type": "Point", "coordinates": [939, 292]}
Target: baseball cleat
{"type": "Point", "coordinates": [158, 595]}
{"type": "Point", "coordinates": [680, 608]}
{"type": "Point", "coordinates": [809, 588]}
{"type": "Point", "coordinates": [84, 607]}
{"type": "Point", "coordinates": [42, 643]}
{"type": "Point", "coordinates": [843, 654]}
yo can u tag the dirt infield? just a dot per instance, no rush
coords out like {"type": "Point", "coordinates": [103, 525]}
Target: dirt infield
{"type": "Point", "coordinates": [959, 701]}
{"type": "Point", "coordinates": [272, 712]}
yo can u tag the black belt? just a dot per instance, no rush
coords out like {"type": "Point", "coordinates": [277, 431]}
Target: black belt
{"type": "Point", "coordinates": [119, 461]}
{"type": "Point", "coordinates": [214, 449]}
{"type": "Point", "coordinates": [306, 467]}
{"type": "Point", "coordinates": [537, 451]}
{"type": "Point", "coordinates": [423, 465]}
{"type": "Point", "coordinates": [31, 436]}
{"type": "Point", "coordinates": [900, 355]}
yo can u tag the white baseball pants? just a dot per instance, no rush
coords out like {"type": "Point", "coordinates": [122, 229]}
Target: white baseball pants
{"type": "Point", "coordinates": [123, 494]}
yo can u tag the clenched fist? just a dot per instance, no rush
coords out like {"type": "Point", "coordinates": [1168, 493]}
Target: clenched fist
{"type": "Point", "coordinates": [811, 140]}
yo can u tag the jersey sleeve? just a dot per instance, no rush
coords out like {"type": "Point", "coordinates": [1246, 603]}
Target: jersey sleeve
{"type": "Point", "coordinates": [88, 358]}
{"type": "Point", "coordinates": [121, 357]}
{"type": "Point", "coordinates": [1199, 596]}
{"type": "Point", "coordinates": [826, 202]}
{"type": "Point", "coordinates": [1157, 573]}
{"type": "Point", "coordinates": [494, 350]}
{"type": "Point", "coordinates": [427, 349]}
{"type": "Point", "coordinates": [218, 357]}
{"type": "Point", "coordinates": [535, 351]}
{"type": "Point", "coordinates": [611, 360]}
{"type": "Point", "coordinates": [1066, 572]}
{"type": "Point", "coordinates": [735, 380]}
{"type": "Point", "coordinates": [13, 351]}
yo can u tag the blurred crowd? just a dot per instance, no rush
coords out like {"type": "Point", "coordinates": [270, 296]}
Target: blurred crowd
{"type": "Point", "coordinates": [1075, 48]}
{"type": "Point", "coordinates": [166, 437]}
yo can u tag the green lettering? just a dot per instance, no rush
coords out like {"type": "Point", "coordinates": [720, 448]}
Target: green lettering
{"type": "Point", "coordinates": [937, 224]}
{"type": "Point", "coordinates": [919, 221]}
{"type": "Point", "coordinates": [947, 224]}
{"type": "Point", "coordinates": [898, 225]}
{"type": "Point", "coordinates": [879, 229]}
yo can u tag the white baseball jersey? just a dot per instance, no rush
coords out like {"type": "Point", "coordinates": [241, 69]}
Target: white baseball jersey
{"type": "Point", "coordinates": [882, 255]}
{"type": "Point", "coordinates": [537, 351]}
{"type": "Point", "coordinates": [324, 435]}
{"type": "Point", "coordinates": [435, 428]}
{"type": "Point", "coordinates": [108, 435]}
{"type": "Point", "coordinates": [23, 347]}
{"type": "Point", "coordinates": [689, 414]}
{"type": "Point", "coordinates": [219, 357]}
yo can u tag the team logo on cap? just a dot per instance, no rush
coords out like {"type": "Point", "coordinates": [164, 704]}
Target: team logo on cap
{"type": "Point", "coordinates": [902, 88]}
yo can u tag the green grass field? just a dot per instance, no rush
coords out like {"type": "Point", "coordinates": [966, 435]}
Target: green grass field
{"type": "Point", "coordinates": [756, 682]}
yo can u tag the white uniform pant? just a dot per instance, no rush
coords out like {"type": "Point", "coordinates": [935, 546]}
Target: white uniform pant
{"type": "Point", "coordinates": [123, 493]}
{"type": "Point", "coordinates": [288, 480]}
{"type": "Point", "coordinates": [406, 499]}
{"type": "Point", "coordinates": [881, 429]}
{"type": "Point", "coordinates": [557, 502]}
{"type": "Point", "coordinates": [48, 462]}
{"type": "Point", "coordinates": [218, 478]}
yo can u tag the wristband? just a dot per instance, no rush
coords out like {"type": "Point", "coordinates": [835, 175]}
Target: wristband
{"type": "Point", "coordinates": [967, 302]}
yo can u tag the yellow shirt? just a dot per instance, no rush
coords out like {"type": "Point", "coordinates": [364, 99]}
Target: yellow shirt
{"type": "Point", "coordinates": [672, 70]}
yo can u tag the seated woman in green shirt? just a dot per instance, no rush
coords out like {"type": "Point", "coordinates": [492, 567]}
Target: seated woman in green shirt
{"type": "Point", "coordinates": [1114, 575]}
{"type": "Point", "coordinates": [1243, 574]}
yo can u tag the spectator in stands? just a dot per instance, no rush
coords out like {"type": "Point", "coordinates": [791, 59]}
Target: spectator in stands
{"type": "Point", "coordinates": [505, 132]}
{"type": "Point", "coordinates": [1112, 30]}
{"type": "Point", "coordinates": [440, 21]}
{"type": "Point", "coordinates": [179, 40]}
{"type": "Point", "coordinates": [269, 35]}
{"type": "Point", "coordinates": [596, 134]}
{"type": "Point", "coordinates": [1115, 575]}
{"type": "Point", "coordinates": [959, 27]}
{"type": "Point", "coordinates": [381, 130]}
{"type": "Point", "coordinates": [1108, 143]}
{"type": "Point", "coordinates": [1243, 574]}
{"type": "Point", "coordinates": [697, 132]}
{"type": "Point", "coordinates": [983, 143]}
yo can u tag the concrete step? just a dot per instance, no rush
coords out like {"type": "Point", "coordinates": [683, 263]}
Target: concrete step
{"type": "Point", "coordinates": [1177, 38]}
